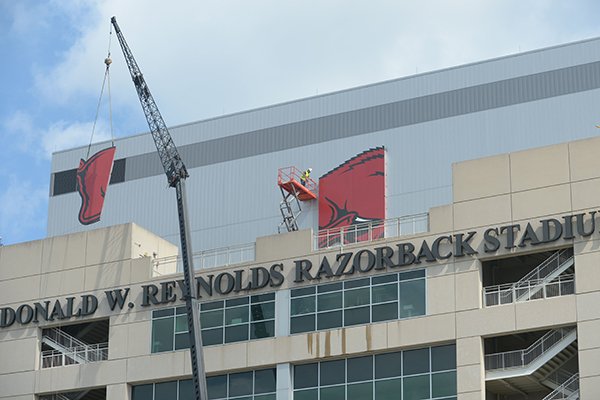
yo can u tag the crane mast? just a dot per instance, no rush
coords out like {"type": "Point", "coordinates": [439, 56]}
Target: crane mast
{"type": "Point", "coordinates": [176, 175]}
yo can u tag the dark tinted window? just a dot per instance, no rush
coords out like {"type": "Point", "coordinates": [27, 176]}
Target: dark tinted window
{"type": "Point", "coordinates": [64, 182]}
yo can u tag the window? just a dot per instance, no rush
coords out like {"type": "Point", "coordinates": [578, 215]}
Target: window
{"type": "Point", "coordinates": [358, 301]}
{"type": "Point", "coordinates": [249, 385]}
{"type": "Point", "coordinates": [428, 373]}
{"type": "Point", "coordinates": [222, 321]}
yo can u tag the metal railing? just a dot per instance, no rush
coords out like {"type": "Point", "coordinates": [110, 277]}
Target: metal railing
{"type": "Point", "coordinates": [63, 339]}
{"type": "Point", "coordinates": [569, 390]}
{"type": "Point", "coordinates": [533, 289]}
{"type": "Point", "coordinates": [522, 358]}
{"type": "Point", "coordinates": [88, 353]}
{"type": "Point", "coordinates": [207, 259]}
{"type": "Point", "coordinates": [547, 267]}
{"type": "Point", "coordinates": [373, 230]}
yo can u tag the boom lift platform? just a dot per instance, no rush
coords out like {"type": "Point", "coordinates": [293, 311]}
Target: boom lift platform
{"type": "Point", "coordinates": [293, 193]}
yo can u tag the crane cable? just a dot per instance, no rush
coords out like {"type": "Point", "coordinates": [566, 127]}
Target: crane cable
{"type": "Point", "coordinates": [107, 62]}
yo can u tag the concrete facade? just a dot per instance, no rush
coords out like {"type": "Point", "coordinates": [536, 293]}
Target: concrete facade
{"type": "Point", "coordinates": [515, 188]}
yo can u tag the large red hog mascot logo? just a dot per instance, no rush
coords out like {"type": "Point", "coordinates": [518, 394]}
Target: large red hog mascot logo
{"type": "Point", "coordinates": [352, 199]}
{"type": "Point", "coordinates": [93, 176]}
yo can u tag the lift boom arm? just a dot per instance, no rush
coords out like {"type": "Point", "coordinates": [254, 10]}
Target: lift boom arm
{"type": "Point", "coordinates": [176, 175]}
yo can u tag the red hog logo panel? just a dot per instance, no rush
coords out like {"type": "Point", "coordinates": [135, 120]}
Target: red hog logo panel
{"type": "Point", "coordinates": [353, 194]}
{"type": "Point", "coordinates": [92, 180]}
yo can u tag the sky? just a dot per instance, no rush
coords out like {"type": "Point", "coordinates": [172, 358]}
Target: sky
{"type": "Point", "coordinates": [205, 58]}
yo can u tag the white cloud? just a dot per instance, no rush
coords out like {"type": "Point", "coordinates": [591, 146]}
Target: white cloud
{"type": "Point", "coordinates": [40, 143]}
{"type": "Point", "coordinates": [205, 58]}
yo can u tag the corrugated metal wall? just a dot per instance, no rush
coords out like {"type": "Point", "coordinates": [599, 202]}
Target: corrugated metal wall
{"type": "Point", "coordinates": [233, 196]}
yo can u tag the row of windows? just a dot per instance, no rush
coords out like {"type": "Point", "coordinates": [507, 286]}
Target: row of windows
{"type": "Point", "coordinates": [428, 373]}
{"type": "Point", "coordinates": [359, 301]}
{"type": "Point", "coordinates": [223, 321]}
{"type": "Point", "coordinates": [328, 306]}
{"type": "Point", "coordinates": [250, 385]}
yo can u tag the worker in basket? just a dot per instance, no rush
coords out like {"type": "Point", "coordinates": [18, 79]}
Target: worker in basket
{"type": "Point", "coordinates": [304, 177]}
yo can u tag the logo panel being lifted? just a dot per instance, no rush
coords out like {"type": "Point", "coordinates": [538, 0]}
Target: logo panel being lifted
{"type": "Point", "coordinates": [352, 200]}
{"type": "Point", "coordinates": [93, 177]}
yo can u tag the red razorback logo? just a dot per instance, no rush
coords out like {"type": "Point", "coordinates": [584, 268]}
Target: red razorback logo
{"type": "Point", "coordinates": [92, 179]}
{"type": "Point", "coordinates": [353, 194]}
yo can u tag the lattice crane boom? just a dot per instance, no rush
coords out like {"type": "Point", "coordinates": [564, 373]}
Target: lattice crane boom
{"type": "Point", "coordinates": [176, 175]}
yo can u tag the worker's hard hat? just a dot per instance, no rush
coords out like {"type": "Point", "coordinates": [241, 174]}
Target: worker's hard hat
{"type": "Point", "coordinates": [310, 170]}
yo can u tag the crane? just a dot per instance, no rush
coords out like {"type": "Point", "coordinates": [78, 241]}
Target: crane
{"type": "Point", "coordinates": [176, 176]}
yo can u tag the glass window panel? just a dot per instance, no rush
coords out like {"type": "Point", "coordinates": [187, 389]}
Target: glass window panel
{"type": "Point", "coordinates": [303, 291]}
{"type": "Point", "coordinates": [360, 369]}
{"type": "Point", "coordinates": [333, 372]}
{"type": "Point", "coordinates": [302, 324]}
{"type": "Point", "coordinates": [385, 312]}
{"type": "Point", "coordinates": [362, 391]}
{"type": "Point", "coordinates": [165, 390]}
{"type": "Point", "coordinates": [385, 293]}
{"type": "Point", "coordinates": [211, 319]}
{"type": "Point", "coordinates": [416, 361]}
{"type": "Point", "coordinates": [329, 301]}
{"type": "Point", "coordinates": [303, 305]}
{"type": "Point", "coordinates": [260, 330]}
{"type": "Point", "coordinates": [412, 275]}
{"type": "Point", "coordinates": [389, 389]}
{"type": "Point", "coordinates": [182, 341]}
{"type": "Point", "coordinates": [306, 376]}
{"type": "Point", "coordinates": [333, 393]}
{"type": "Point", "coordinates": [259, 298]}
{"type": "Point", "coordinates": [356, 283]}
{"type": "Point", "coordinates": [236, 333]}
{"type": "Point", "coordinates": [181, 324]}
{"type": "Point", "coordinates": [162, 313]}
{"type": "Point", "coordinates": [217, 387]}
{"type": "Point", "coordinates": [240, 384]}
{"type": "Point", "coordinates": [357, 297]}
{"type": "Point", "coordinates": [186, 390]}
{"type": "Point", "coordinates": [237, 302]}
{"type": "Point", "coordinates": [212, 336]}
{"type": "Point", "coordinates": [443, 384]}
{"type": "Point", "coordinates": [416, 387]}
{"type": "Point", "coordinates": [213, 305]}
{"type": "Point", "coordinates": [310, 394]}
{"type": "Point", "coordinates": [329, 288]}
{"type": "Point", "coordinates": [262, 311]}
{"type": "Point", "coordinates": [180, 310]}
{"type": "Point", "coordinates": [264, 381]}
{"type": "Point", "coordinates": [236, 315]}
{"type": "Point", "coordinates": [162, 335]}
{"type": "Point", "coordinates": [412, 298]}
{"type": "Point", "coordinates": [388, 365]}
{"type": "Point", "coordinates": [443, 358]}
{"type": "Point", "coordinates": [141, 392]}
{"type": "Point", "coordinates": [266, 397]}
{"type": "Point", "coordinates": [328, 320]}
{"type": "Point", "coordinates": [384, 279]}
{"type": "Point", "coordinates": [356, 316]}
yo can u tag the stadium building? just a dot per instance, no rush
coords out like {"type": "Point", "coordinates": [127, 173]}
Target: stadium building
{"type": "Point", "coordinates": [445, 248]}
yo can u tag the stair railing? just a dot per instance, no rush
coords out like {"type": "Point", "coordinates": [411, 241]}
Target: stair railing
{"type": "Point", "coordinates": [547, 266]}
{"type": "Point", "coordinates": [64, 339]}
{"type": "Point", "coordinates": [522, 358]}
{"type": "Point", "coordinates": [569, 390]}
{"type": "Point", "coordinates": [508, 293]}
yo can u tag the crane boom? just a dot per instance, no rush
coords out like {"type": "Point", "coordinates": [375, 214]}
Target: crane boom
{"type": "Point", "coordinates": [176, 175]}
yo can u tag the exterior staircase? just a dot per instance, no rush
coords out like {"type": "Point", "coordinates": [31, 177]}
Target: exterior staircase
{"type": "Point", "coordinates": [530, 285]}
{"type": "Point", "coordinates": [69, 350]}
{"type": "Point", "coordinates": [569, 390]}
{"type": "Point", "coordinates": [529, 370]}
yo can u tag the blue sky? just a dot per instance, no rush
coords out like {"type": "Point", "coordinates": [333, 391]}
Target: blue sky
{"type": "Point", "coordinates": [212, 57]}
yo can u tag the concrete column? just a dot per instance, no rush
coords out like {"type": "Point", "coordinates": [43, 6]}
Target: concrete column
{"type": "Point", "coordinates": [119, 391]}
{"type": "Point", "coordinates": [284, 381]}
{"type": "Point", "coordinates": [282, 313]}
{"type": "Point", "coordinates": [470, 372]}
